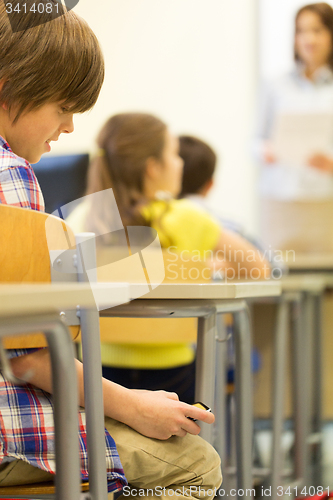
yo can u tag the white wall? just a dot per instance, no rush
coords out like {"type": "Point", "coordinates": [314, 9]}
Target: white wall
{"type": "Point", "coordinates": [193, 63]}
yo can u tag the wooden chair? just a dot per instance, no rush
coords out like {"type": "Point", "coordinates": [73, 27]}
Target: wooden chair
{"type": "Point", "coordinates": [27, 239]}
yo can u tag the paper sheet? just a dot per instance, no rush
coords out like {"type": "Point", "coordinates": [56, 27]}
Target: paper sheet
{"type": "Point", "coordinates": [297, 137]}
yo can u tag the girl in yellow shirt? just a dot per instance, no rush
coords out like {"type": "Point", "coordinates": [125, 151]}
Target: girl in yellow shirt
{"type": "Point", "coordinates": [138, 158]}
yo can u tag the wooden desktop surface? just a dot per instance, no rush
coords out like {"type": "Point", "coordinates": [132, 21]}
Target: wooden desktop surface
{"type": "Point", "coordinates": [215, 291]}
{"type": "Point", "coordinates": [307, 282]}
{"type": "Point", "coordinates": [35, 298]}
{"type": "Point", "coordinates": [309, 261]}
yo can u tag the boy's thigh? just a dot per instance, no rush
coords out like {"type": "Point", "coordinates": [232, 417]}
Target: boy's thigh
{"type": "Point", "coordinates": [149, 462]}
{"type": "Point", "coordinates": [19, 472]}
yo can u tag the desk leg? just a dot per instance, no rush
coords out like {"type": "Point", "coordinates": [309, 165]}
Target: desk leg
{"type": "Point", "coordinates": [243, 385]}
{"type": "Point", "coordinates": [317, 395]}
{"type": "Point", "coordinates": [67, 479]}
{"type": "Point", "coordinates": [221, 441]}
{"type": "Point", "coordinates": [92, 374]}
{"type": "Point", "coordinates": [205, 368]}
{"type": "Point", "coordinates": [94, 404]}
{"type": "Point", "coordinates": [280, 345]}
{"type": "Point", "coordinates": [65, 397]}
{"type": "Point", "coordinates": [308, 387]}
{"type": "Point", "coordinates": [299, 390]}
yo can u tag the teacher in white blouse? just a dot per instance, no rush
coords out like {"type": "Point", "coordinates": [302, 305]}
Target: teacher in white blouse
{"type": "Point", "coordinates": [297, 201]}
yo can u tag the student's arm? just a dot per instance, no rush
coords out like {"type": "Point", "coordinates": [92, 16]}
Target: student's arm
{"type": "Point", "coordinates": [239, 258]}
{"type": "Point", "coordinates": [156, 414]}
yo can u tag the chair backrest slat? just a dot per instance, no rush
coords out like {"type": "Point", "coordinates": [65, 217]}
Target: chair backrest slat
{"type": "Point", "coordinates": [24, 255]}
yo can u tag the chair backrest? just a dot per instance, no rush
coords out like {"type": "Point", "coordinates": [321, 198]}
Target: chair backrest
{"type": "Point", "coordinates": [24, 255]}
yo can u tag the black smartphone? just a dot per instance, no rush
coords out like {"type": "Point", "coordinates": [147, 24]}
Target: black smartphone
{"type": "Point", "coordinates": [202, 406]}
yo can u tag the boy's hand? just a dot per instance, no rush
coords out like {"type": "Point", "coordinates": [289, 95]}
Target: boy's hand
{"type": "Point", "coordinates": [160, 415]}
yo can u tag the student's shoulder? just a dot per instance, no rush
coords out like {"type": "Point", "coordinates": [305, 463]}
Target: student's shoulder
{"type": "Point", "coordinates": [178, 212]}
{"type": "Point", "coordinates": [188, 207]}
{"type": "Point", "coordinates": [9, 160]}
{"type": "Point", "coordinates": [169, 208]}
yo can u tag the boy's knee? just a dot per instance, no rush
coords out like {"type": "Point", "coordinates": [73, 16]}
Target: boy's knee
{"type": "Point", "coordinates": [213, 477]}
{"type": "Point", "coordinates": [206, 462]}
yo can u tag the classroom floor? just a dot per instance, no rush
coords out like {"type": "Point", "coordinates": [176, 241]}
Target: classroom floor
{"type": "Point", "coordinates": [263, 446]}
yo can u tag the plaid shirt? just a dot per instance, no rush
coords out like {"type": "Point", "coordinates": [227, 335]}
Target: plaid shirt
{"type": "Point", "coordinates": [26, 412]}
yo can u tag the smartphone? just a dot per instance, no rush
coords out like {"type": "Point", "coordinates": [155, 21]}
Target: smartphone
{"type": "Point", "coordinates": [202, 406]}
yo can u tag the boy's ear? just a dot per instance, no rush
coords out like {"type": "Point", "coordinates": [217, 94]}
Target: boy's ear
{"type": "Point", "coordinates": [206, 187]}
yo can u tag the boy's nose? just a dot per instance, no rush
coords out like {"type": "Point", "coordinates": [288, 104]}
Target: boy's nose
{"type": "Point", "coordinates": [68, 126]}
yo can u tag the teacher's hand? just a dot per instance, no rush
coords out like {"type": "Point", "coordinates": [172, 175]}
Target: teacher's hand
{"type": "Point", "coordinates": [268, 153]}
{"type": "Point", "coordinates": [321, 162]}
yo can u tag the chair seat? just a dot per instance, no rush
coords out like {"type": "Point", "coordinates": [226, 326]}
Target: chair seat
{"type": "Point", "coordinates": [33, 490]}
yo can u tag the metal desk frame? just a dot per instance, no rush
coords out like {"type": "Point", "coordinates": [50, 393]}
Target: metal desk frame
{"type": "Point", "coordinates": [207, 311]}
{"type": "Point", "coordinates": [67, 480]}
{"type": "Point", "coordinates": [305, 306]}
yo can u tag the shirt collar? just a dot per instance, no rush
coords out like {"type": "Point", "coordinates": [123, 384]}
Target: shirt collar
{"type": "Point", "coordinates": [322, 75]}
{"type": "Point", "coordinates": [4, 144]}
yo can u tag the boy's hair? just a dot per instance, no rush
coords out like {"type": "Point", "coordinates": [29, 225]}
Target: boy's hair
{"type": "Point", "coordinates": [199, 164]}
{"type": "Point", "coordinates": [57, 61]}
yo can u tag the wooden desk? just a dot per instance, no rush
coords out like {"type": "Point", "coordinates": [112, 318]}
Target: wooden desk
{"type": "Point", "coordinates": [308, 262]}
{"type": "Point", "coordinates": [21, 299]}
{"type": "Point", "coordinates": [206, 301]}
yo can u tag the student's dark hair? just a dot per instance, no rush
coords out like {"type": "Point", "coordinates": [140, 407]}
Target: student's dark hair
{"type": "Point", "coordinates": [325, 12]}
{"type": "Point", "coordinates": [59, 60]}
{"type": "Point", "coordinates": [125, 143]}
{"type": "Point", "coordinates": [199, 164]}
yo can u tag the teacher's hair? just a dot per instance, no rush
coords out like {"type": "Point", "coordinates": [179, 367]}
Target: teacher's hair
{"type": "Point", "coordinates": [325, 12]}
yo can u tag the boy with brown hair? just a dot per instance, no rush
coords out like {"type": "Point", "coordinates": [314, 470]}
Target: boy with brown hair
{"type": "Point", "coordinates": [50, 70]}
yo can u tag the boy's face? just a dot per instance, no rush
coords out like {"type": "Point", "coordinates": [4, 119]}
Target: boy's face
{"type": "Point", "coordinates": [30, 136]}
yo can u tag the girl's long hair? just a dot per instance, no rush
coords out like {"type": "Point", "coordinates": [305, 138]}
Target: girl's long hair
{"type": "Point", "coordinates": [125, 143]}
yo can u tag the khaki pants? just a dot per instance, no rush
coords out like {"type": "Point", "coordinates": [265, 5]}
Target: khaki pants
{"type": "Point", "coordinates": [302, 226]}
{"type": "Point", "coordinates": [189, 465]}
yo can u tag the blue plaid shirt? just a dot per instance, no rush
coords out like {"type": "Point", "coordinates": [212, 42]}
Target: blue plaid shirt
{"type": "Point", "coordinates": [26, 412]}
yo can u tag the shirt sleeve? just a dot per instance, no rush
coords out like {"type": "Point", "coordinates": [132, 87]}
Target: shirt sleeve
{"type": "Point", "coordinates": [265, 118]}
{"type": "Point", "coordinates": [19, 187]}
{"type": "Point", "coordinates": [16, 353]}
